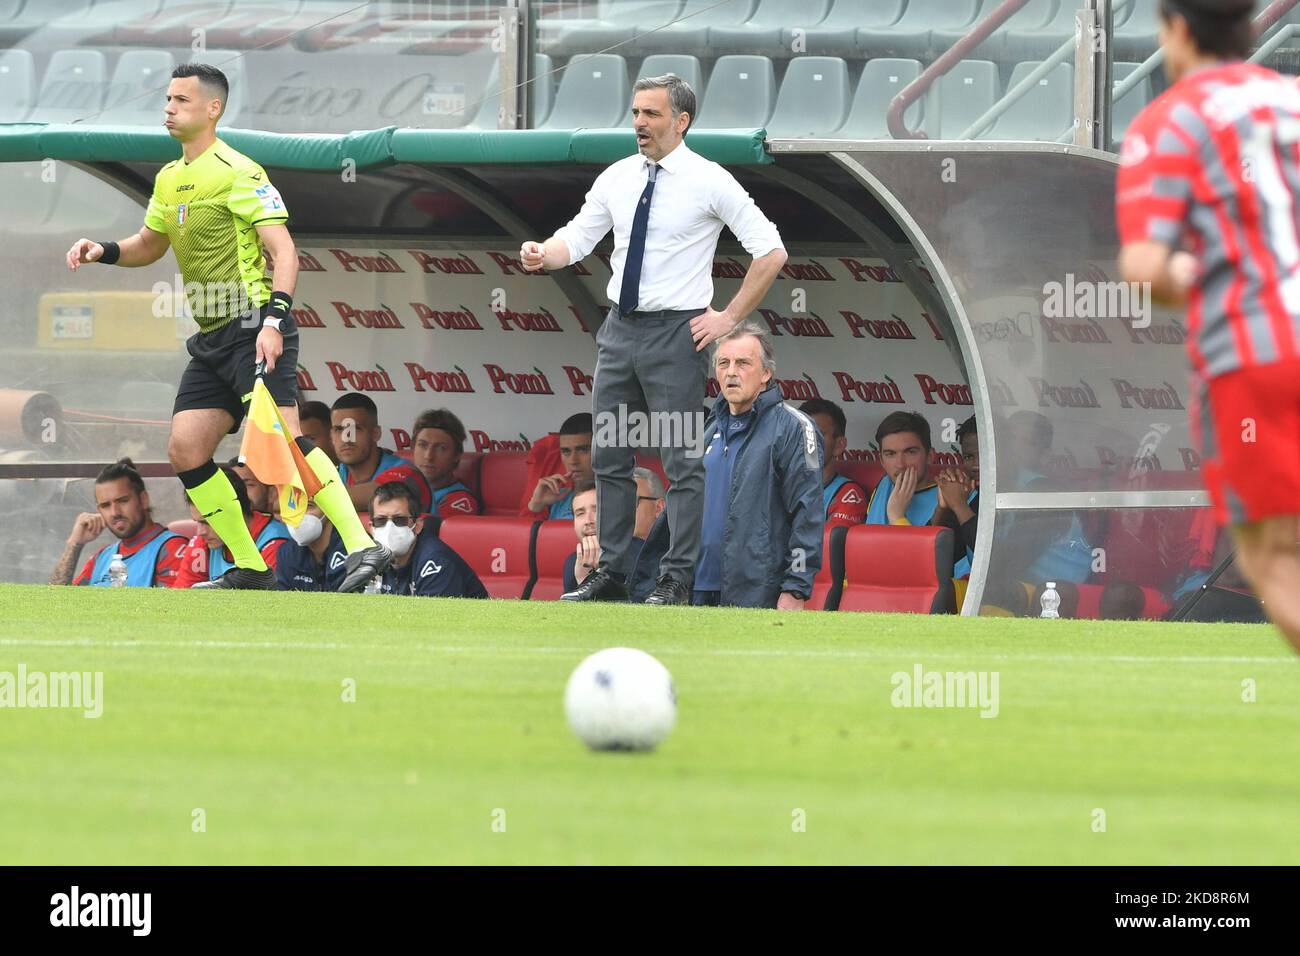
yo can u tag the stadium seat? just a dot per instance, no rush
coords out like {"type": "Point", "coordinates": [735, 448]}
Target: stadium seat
{"type": "Point", "coordinates": [616, 22]}
{"type": "Point", "coordinates": [1138, 35]}
{"type": "Point", "coordinates": [13, 25]}
{"type": "Point", "coordinates": [689, 32]}
{"type": "Point", "coordinates": [762, 32]}
{"type": "Point", "coordinates": [543, 80]}
{"type": "Point", "coordinates": [72, 88]}
{"type": "Point", "coordinates": [554, 542]}
{"type": "Point", "coordinates": [829, 582]}
{"type": "Point", "coordinates": [138, 90]}
{"type": "Point", "coordinates": [171, 25]}
{"type": "Point", "coordinates": [501, 480]}
{"type": "Point", "coordinates": [498, 549]}
{"type": "Point", "coordinates": [1035, 12]}
{"type": "Point", "coordinates": [594, 94]}
{"type": "Point", "coordinates": [1026, 41]}
{"type": "Point", "coordinates": [911, 35]}
{"type": "Point", "coordinates": [889, 568]}
{"type": "Point", "coordinates": [17, 85]}
{"type": "Point", "coordinates": [882, 80]}
{"type": "Point", "coordinates": [742, 93]}
{"type": "Point", "coordinates": [865, 473]}
{"type": "Point", "coordinates": [814, 98]}
{"type": "Point", "coordinates": [965, 93]}
{"type": "Point", "coordinates": [687, 67]}
{"type": "Point", "coordinates": [837, 34]}
{"type": "Point", "coordinates": [1126, 109]}
{"type": "Point", "coordinates": [265, 24]}
{"type": "Point", "coordinates": [1044, 111]}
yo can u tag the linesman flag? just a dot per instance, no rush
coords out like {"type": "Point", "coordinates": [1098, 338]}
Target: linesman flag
{"type": "Point", "coordinates": [274, 458]}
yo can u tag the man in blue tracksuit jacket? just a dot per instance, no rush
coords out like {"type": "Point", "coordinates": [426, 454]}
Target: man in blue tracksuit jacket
{"type": "Point", "coordinates": [761, 541]}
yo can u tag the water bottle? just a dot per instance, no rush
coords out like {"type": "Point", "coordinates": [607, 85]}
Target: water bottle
{"type": "Point", "coordinates": [117, 572]}
{"type": "Point", "coordinates": [375, 585]}
{"type": "Point", "coordinates": [1050, 600]}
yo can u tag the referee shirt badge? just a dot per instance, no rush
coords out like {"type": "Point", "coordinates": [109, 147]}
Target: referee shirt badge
{"type": "Point", "coordinates": [180, 214]}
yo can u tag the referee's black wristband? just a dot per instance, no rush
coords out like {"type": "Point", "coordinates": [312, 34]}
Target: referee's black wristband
{"type": "Point", "coordinates": [112, 252]}
{"type": "Point", "coordinates": [278, 306]}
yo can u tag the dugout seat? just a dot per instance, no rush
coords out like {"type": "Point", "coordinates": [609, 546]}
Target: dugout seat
{"type": "Point", "coordinates": [594, 94]}
{"type": "Point", "coordinates": [837, 34]}
{"type": "Point", "coordinates": [814, 98]}
{"type": "Point", "coordinates": [467, 472]}
{"type": "Point", "coordinates": [882, 80]}
{"type": "Point", "coordinates": [828, 585]}
{"type": "Point", "coordinates": [865, 473]}
{"type": "Point", "coordinates": [762, 32]}
{"type": "Point", "coordinates": [554, 543]}
{"type": "Point", "coordinates": [17, 85]}
{"type": "Point", "coordinates": [742, 93]}
{"type": "Point", "coordinates": [965, 94]}
{"type": "Point", "coordinates": [893, 568]}
{"type": "Point", "coordinates": [1043, 112]}
{"type": "Point", "coordinates": [498, 549]}
{"type": "Point", "coordinates": [1084, 601]}
{"type": "Point", "coordinates": [501, 481]}
{"type": "Point", "coordinates": [137, 92]}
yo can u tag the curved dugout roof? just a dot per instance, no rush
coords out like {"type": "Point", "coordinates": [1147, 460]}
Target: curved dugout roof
{"type": "Point", "coordinates": [1081, 402]}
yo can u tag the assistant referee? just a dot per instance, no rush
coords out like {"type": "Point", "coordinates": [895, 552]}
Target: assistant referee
{"type": "Point", "coordinates": [217, 210]}
{"type": "Point", "coordinates": [667, 206]}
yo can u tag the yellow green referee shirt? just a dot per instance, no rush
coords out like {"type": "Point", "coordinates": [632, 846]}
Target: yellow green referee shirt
{"type": "Point", "coordinates": [208, 210]}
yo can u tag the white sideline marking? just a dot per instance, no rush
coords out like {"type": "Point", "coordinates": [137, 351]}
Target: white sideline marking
{"type": "Point", "coordinates": [699, 652]}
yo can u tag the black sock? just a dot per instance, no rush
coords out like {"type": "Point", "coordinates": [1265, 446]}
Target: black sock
{"type": "Point", "coordinates": [197, 476]}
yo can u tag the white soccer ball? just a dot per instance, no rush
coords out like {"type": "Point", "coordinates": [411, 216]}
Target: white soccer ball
{"type": "Point", "coordinates": [621, 699]}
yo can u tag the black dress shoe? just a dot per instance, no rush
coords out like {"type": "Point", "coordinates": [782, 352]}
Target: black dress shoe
{"type": "Point", "coordinates": [599, 585]}
{"type": "Point", "coordinates": [241, 579]}
{"type": "Point", "coordinates": [668, 590]}
{"type": "Point", "coordinates": [363, 565]}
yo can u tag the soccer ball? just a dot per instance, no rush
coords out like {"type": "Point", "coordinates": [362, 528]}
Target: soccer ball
{"type": "Point", "coordinates": [621, 699]}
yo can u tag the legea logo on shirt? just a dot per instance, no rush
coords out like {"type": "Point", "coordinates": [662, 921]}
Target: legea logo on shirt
{"type": "Point", "coordinates": [462, 504]}
{"type": "Point", "coordinates": [337, 559]}
{"type": "Point", "coordinates": [851, 497]}
{"type": "Point", "coordinates": [429, 568]}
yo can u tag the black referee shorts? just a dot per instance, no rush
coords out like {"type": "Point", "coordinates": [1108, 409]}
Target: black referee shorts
{"type": "Point", "coordinates": [222, 369]}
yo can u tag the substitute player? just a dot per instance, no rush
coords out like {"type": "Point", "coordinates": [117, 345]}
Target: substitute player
{"type": "Point", "coordinates": [217, 210]}
{"type": "Point", "coordinates": [1206, 206]}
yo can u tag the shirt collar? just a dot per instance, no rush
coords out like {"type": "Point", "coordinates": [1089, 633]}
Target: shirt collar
{"type": "Point", "coordinates": [674, 161]}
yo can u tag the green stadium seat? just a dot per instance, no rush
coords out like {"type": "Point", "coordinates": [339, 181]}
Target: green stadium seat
{"type": "Point", "coordinates": [911, 35]}
{"type": "Point", "coordinates": [72, 88]}
{"type": "Point", "coordinates": [814, 98]}
{"type": "Point", "coordinates": [689, 33]}
{"type": "Point", "coordinates": [17, 85]}
{"type": "Point", "coordinates": [742, 93]}
{"type": "Point", "coordinates": [687, 67]}
{"type": "Point", "coordinates": [1044, 112]}
{"type": "Point", "coordinates": [837, 35]}
{"type": "Point", "coordinates": [763, 32]}
{"type": "Point", "coordinates": [1126, 109]}
{"type": "Point", "coordinates": [543, 93]}
{"type": "Point", "coordinates": [594, 93]}
{"type": "Point", "coordinates": [882, 80]}
{"type": "Point", "coordinates": [964, 93]}
{"type": "Point", "coordinates": [137, 93]}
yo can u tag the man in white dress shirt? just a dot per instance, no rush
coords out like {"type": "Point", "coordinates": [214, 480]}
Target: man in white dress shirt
{"type": "Point", "coordinates": [666, 205]}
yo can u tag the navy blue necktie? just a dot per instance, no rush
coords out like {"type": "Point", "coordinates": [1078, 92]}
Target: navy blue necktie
{"type": "Point", "coordinates": [630, 292]}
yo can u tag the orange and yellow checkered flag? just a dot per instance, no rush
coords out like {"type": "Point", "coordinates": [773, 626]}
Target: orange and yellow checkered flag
{"type": "Point", "coordinates": [274, 458]}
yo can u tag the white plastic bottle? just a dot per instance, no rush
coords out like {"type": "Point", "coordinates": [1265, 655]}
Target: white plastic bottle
{"type": "Point", "coordinates": [117, 572]}
{"type": "Point", "coordinates": [1050, 600]}
{"type": "Point", "coordinates": [375, 585]}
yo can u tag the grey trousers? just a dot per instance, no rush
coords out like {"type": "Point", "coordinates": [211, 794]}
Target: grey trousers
{"type": "Point", "coordinates": [649, 366]}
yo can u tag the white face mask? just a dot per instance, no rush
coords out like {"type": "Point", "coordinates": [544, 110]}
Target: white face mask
{"type": "Point", "coordinates": [308, 530]}
{"type": "Point", "coordinates": [397, 540]}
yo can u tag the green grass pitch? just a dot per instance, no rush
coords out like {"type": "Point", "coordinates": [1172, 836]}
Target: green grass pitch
{"type": "Point", "coordinates": [456, 750]}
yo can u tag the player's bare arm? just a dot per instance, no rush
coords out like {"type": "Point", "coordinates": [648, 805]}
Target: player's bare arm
{"type": "Point", "coordinates": [709, 326]}
{"type": "Point", "coordinates": [284, 279]}
{"type": "Point", "coordinates": [86, 529]}
{"type": "Point", "coordinates": [1170, 273]}
{"type": "Point", "coordinates": [143, 249]}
